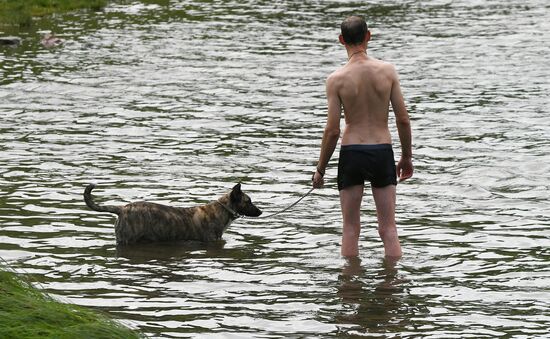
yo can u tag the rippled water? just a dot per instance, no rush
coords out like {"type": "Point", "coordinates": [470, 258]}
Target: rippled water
{"type": "Point", "coordinates": [175, 103]}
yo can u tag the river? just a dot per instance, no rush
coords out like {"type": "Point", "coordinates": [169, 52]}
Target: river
{"type": "Point", "coordinates": [175, 102]}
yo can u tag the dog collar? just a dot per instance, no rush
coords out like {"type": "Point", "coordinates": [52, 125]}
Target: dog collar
{"type": "Point", "coordinates": [234, 214]}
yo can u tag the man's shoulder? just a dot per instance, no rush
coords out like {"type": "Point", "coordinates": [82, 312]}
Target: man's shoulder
{"type": "Point", "coordinates": [337, 73]}
{"type": "Point", "coordinates": [336, 77]}
{"type": "Point", "coordinates": [387, 68]}
{"type": "Point", "coordinates": [386, 65]}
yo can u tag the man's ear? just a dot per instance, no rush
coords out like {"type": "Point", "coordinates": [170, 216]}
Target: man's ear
{"type": "Point", "coordinates": [367, 36]}
{"type": "Point", "coordinates": [341, 39]}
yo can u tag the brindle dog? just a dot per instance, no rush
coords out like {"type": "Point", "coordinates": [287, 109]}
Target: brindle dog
{"type": "Point", "coordinates": [145, 222]}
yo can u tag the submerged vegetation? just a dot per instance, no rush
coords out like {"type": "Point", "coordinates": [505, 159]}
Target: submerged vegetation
{"type": "Point", "coordinates": [21, 12]}
{"type": "Point", "coordinates": [27, 313]}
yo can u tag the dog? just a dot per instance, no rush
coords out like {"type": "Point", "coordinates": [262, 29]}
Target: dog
{"type": "Point", "coordinates": [146, 222]}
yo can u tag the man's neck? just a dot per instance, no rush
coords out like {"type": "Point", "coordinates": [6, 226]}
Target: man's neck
{"type": "Point", "coordinates": [355, 52]}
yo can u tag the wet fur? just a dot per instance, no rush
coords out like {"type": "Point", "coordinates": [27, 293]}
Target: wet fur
{"type": "Point", "coordinates": [146, 222]}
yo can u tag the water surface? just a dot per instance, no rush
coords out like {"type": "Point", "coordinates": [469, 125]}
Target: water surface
{"type": "Point", "coordinates": [175, 103]}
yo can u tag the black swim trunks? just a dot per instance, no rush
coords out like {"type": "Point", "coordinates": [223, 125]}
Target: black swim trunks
{"type": "Point", "coordinates": [374, 163]}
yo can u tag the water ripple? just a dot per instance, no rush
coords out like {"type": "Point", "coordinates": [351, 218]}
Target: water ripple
{"type": "Point", "coordinates": [175, 103]}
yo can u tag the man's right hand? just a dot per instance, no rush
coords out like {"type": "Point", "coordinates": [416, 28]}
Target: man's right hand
{"type": "Point", "coordinates": [405, 169]}
{"type": "Point", "coordinates": [317, 180]}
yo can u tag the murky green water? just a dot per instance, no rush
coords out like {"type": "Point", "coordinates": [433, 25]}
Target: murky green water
{"type": "Point", "coordinates": [176, 103]}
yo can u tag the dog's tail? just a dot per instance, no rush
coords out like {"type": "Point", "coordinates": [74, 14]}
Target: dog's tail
{"type": "Point", "coordinates": [91, 204]}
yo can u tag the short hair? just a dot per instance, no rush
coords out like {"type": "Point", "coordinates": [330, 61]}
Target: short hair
{"type": "Point", "coordinates": [354, 28]}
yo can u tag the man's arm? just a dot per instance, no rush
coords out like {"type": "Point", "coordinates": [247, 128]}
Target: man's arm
{"type": "Point", "coordinates": [331, 133]}
{"type": "Point", "coordinates": [404, 166]}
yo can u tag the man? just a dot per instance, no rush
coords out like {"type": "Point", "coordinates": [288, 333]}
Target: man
{"type": "Point", "coordinates": [364, 88]}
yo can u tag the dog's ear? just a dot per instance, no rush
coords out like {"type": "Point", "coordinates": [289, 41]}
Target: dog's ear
{"type": "Point", "coordinates": [236, 192]}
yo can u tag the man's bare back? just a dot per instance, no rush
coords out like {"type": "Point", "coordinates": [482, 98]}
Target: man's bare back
{"type": "Point", "coordinates": [364, 87]}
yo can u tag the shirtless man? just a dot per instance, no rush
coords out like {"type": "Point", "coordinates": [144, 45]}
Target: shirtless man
{"type": "Point", "coordinates": [364, 88]}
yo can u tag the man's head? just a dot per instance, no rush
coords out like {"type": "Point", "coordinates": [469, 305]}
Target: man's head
{"type": "Point", "coordinates": [354, 31]}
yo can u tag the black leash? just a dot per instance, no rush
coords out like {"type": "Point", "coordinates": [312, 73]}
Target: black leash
{"type": "Point", "coordinates": [236, 215]}
{"type": "Point", "coordinates": [287, 208]}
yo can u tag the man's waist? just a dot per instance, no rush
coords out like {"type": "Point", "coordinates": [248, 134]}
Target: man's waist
{"type": "Point", "coordinates": [365, 147]}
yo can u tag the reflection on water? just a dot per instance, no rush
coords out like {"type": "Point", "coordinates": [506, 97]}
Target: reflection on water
{"type": "Point", "coordinates": [168, 250]}
{"type": "Point", "coordinates": [374, 302]}
{"type": "Point", "coordinates": [175, 102]}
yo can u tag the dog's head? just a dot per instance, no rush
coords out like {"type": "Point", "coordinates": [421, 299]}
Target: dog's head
{"type": "Point", "coordinates": [242, 203]}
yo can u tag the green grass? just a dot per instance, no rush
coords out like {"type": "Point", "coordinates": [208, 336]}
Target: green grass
{"type": "Point", "coordinates": [21, 12]}
{"type": "Point", "coordinates": [25, 312]}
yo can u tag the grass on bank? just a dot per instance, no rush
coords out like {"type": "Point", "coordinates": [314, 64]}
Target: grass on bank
{"type": "Point", "coordinates": [21, 12]}
{"type": "Point", "coordinates": [27, 313]}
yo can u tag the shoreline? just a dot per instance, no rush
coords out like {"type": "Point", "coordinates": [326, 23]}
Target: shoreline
{"type": "Point", "coordinates": [16, 13]}
{"type": "Point", "coordinates": [26, 312]}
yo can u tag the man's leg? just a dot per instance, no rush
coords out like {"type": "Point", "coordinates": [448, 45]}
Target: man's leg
{"type": "Point", "coordinates": [350, 203]}
{"type": "Point", "coordinates": [384, 198]}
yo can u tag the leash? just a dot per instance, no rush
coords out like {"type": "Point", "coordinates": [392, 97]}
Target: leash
{"type": "Point", "coordinates": [236, 215]}
{"type": "Point", "coordinates": [288, 207]}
